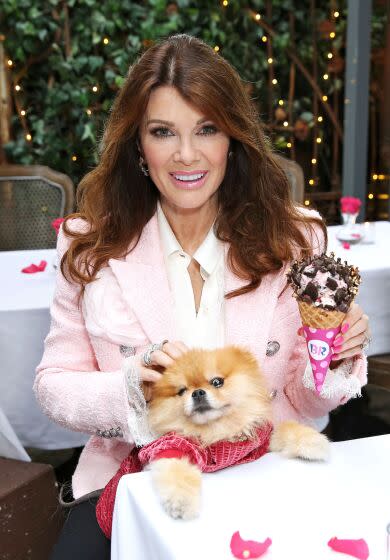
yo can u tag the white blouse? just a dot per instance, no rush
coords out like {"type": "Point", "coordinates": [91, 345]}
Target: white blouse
{"type": "Point", "coordinates": [204, 329]}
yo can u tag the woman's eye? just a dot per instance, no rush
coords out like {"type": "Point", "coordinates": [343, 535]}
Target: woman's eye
{"type": "Point", "coordinates": [217, 382]}
{"type": "Point", "coordinates": [208, 130]}
{"type": "Point", "coordinates": [182, 391]}
{"type": "Point", "coordinates": [161, 132]}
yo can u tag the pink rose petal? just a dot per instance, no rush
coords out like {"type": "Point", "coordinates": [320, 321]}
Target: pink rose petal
{"type": "Point", "coordinates": [358, 548]}
{"type": "Point", "coordinates": [248, 549]}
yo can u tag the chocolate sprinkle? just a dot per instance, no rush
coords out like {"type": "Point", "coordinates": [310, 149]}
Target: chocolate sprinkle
{"type": "Point", "coordinates": [311, 290]}
{"type": "Point", "coordinates": [331, 284]}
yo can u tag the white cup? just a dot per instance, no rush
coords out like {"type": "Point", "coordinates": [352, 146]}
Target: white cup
{"type": "Point", "coordinates": [368, 232]}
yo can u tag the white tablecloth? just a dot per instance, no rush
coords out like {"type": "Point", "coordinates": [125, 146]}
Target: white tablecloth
{"type": "Point", "coordinates": [24, 323]}
{"type": "Point", "coordinates": [373, 261]}
{"type": "Point", "coordinates": [299, 505]}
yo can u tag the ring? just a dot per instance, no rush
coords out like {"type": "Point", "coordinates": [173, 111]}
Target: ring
{"type": "Point", "coordinates": [147, 355]}
{"type": "Point", "coordinates": [366, 342]}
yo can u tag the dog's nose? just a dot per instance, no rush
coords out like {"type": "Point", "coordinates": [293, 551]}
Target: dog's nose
{"type": "Point", "coordinates": [198, 394]}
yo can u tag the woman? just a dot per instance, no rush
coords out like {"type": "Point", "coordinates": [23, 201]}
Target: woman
{"type": "Point", "coordinates": [183, 238]}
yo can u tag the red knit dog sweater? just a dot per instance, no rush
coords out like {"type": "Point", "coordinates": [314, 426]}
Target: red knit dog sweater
{"type": "Point", "coordinates": [209, 459]}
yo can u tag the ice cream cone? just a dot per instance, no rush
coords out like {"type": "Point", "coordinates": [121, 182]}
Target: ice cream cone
{"type": "Point", "coordinates": [320, 328]}
{"type": "Point", "coordinates": [325, 289]}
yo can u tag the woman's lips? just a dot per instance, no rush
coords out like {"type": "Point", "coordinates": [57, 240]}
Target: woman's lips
{"type": "Point", "coordinates": [189, 185]}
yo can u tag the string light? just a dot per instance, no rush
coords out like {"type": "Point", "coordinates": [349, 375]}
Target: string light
{"type": "Point", "coordinates": [326, 76]}
{"type": "Point", "coordinates": [285, 123]}
{"type": "Point", "coordinates": [264, 38]}
{"type": "Point", "coordinates": [332, 34]}
{"type": "Point", "coordinates": [9, 62]}
{"type": "Point", "coordinates": [28, 137]}
{"type": "Point", "coordinates": [307, 202]}
{"type": "Point", "coordinates": [270, 60]}
{"type": "Point", "coordinates": [381, 177]}
{"type": "Point", "coordinates": [257, 17]}
{"type": "Point", "coordinates": [106, 40]}
{"type": "Point", "coordinates": [370, 196]}
{"type": "Point", "coordinates": [311, 181]}
{"type": "Point", "coordinates": [274, 81]}
{"type": "Point", "coordinates": [383, 196]}
{"type": "Point", "coordinates": [318, 140]}
{"type": "Point", "coordinates": [281, 102]}
{"type": "Point", "coordinates": [89, 112]}
{"type": "Point", "coordinates": [320, 119]}
{"type": "Point", "coordinates": [324, 98]}
{"type": "Point", "coordinates": [22, 112]}
{"type": "Point", "coordinates": [336, 14]}
{"type": "Point", "coordinates": [330, 55]}
{"type": "Point", "coordinates": [94, 89]}
{"type": "Point", "coordinates": [74, 158]}
{"type": "Point", "coordinates": [289, 144]}
{"type": "Point", "coordinates": [314, 161]}
{"type": "Point", "coordinates": [375, 177]}
{"type": "Point", "coordinates": [216, 48]}
{"type": "Point", "coordinates": [17, 88]}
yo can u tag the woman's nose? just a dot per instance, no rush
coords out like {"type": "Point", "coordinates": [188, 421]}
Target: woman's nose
{"type": "Point", "coordinates": [187, 152]}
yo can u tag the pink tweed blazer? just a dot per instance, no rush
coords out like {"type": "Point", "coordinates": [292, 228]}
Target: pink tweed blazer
{"type": "Point", "coordinates": [80, 383]}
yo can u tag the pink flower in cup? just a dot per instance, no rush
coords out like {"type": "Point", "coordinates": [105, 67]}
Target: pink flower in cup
{"type": "Point", "coordinates": [350, 205]}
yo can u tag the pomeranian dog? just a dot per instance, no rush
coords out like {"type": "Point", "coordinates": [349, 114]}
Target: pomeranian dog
{"type": "Point", "coordinates": [217, 398]}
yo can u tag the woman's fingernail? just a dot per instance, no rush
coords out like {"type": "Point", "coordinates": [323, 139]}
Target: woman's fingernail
{"type": "Point", "coordinates": [344, 328]}
{"type": "Point", "coordinates": [338, 341]}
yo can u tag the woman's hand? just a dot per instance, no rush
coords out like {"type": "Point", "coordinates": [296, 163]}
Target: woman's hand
{"type": "Point", "coordinates": [355, 331]}
{"type": "Point", "coordinates": [160, 359]}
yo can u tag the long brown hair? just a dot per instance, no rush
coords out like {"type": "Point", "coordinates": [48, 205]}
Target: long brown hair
{"type": "Point", "coordinates": [256, 214]}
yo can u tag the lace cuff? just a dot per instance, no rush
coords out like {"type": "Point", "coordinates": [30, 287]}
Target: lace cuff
{"type": "Point", "coordinates": [137, 419]}
{"type": "Point", "coordinates": [338, 382]}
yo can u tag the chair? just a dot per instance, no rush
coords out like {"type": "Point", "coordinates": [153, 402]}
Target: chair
{"type": "Point", "coordinates": [31, 197]}
{"type": "Point", "coordinates": [30, 515]}
{"type": "Point", "coordinates": [379, 370]}
{"type": "Point", "coordinates": [295, 177]}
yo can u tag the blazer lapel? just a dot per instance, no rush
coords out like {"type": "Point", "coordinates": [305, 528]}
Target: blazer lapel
{"type": "Point", "coordinates": [144, 283]}
{"type": "Point", "coordinates": [248, 317]}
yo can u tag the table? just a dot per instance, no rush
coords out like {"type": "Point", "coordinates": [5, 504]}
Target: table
{"type": "Point", "coordinates": [373, 261]}
{"type": "Point", "coordinates": [299, 505]}
{"type": "Point", "coordinates": [24, 323]}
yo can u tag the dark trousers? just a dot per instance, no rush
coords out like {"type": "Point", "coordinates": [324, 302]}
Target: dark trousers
{"type": "Point", "coordinates": [81, 537]}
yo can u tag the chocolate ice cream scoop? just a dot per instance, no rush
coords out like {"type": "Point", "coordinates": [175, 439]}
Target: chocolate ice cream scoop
{"type": "Point", "coordinates": [324, 281]}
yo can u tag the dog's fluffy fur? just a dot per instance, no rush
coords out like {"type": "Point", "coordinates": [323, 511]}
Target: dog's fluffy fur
{"type": "Point", "coordinates": [216, 395]}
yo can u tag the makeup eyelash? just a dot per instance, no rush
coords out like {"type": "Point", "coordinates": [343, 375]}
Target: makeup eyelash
{"type": "Point", "coordinates": [161, 131]}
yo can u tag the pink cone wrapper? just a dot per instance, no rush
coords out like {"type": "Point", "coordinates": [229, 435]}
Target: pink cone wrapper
{"type": "Point", "coordinates": [319, 345]}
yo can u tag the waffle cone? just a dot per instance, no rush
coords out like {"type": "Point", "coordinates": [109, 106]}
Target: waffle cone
{"type": "Point", "coordinates": [319, 318]}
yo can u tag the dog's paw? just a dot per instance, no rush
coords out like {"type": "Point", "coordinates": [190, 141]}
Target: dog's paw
{"type": "Point", "coordinates": [178, 484]}
{"type": "Point", "coordinates": [314, 447]}
{"type": "Point", "coordinates": [296, 440]}
{"type": "Point", "coordinates": [181, 507]}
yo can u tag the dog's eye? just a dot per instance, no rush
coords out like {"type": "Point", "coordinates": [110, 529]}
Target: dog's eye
{"type": "Point", "coordinates": [182, 391]}
{"type": "Point", "coordinates": [217, 382]}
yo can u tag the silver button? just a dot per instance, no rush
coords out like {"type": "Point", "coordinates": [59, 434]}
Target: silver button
{"type": "Point", "coordinates": [273, 394]}
{"type": "Point", "coordinates": [273, 346]}
{"type": "Point", "coordinates": [127, 351]}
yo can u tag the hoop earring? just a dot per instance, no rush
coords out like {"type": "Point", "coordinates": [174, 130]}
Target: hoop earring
{"type": "Point", "coordinates": [143, 166]}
